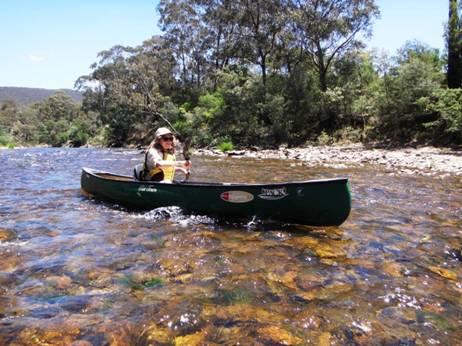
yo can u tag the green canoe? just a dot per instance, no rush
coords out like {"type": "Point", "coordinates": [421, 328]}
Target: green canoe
{"type": "Point", "coordinates": [316, 202]}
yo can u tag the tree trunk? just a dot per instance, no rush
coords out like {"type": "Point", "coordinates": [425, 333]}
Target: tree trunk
{"type": "Point", "coordinates": [263, 66]}
{"type": "Point", "coordinates": [322, 78]}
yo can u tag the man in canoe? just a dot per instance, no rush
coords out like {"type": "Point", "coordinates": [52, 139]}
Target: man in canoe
{"type": "Point", "coordinates": [160, 162]}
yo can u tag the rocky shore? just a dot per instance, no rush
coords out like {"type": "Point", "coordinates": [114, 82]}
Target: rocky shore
{"type": "Point", "coordinates": [423, 160]}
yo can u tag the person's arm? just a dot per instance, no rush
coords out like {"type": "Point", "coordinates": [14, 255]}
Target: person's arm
{"type": "Point", "coordinates": [169, 163]}
{"type": "Point", "coordinates": [155, 160]}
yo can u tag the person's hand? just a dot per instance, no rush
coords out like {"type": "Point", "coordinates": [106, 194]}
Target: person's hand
{"type": "Point", "coordinates": [184, 170]}
{"type": "Point", "coordinates": [187, 165]}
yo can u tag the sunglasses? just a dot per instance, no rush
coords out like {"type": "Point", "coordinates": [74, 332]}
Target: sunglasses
{"type": "Point", "coordinates": [167, 139]}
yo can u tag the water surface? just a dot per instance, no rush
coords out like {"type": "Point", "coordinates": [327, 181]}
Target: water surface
{"type": "Point", "coordinates": [73, 270]}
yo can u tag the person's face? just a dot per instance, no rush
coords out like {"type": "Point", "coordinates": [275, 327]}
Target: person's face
{"type": "Point", "coordinates": [166, 141]}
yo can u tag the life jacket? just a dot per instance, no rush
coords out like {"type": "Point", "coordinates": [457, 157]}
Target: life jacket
{"type": "Point", "coordinates": [165, 173]}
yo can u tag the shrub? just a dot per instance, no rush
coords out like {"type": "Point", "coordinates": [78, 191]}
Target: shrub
{"type": "Point", "coordinates": [5, 138]}
{"type": "Point", "coordinates": [447, 105]}
{"type": "Point", "coordinates": [225, 146]}
{"type": "Point", "coordinates": [77, 135]}
{"type": "Point", "coordinates": [323, 138]}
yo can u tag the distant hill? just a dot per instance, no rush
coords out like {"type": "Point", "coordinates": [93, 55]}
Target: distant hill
{"type": "Point", "coordinates": [25, 96]}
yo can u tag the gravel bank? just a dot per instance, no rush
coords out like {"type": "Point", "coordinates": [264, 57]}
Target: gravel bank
{"type": "Point", "coordinates": [424, 160]}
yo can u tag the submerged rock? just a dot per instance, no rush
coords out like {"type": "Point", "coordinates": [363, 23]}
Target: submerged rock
{"type": "Point", "coordinates": [445, 273]}
{"type": "Point", "coordinates": [158, 334]}
{"type": "Point", "coordinates": [277, 335]}
{"type": "Point", "coordinates": [241, 313]}
{"type": "Point", "coordinates": [190, 340]}
{"type": "Point", "coordinates": [7, 235]}
{"type": "Point", "coordinates": [393, 269]}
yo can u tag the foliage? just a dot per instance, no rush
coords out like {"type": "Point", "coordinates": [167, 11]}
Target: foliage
{"type": "Point", "coordinates": [55, 121]}
{"type": "Point", "coordinates": [416, 75]}
{"type": "Point", "coordinates": [327, 29]}
{"type": "Point", "coordinates": [447, 105]}
{"type": "Point", "coordinates": [264, 73]}
{"type": "Point", "coordinates": [225, 146]}
{"type": "Point", "coordinates": [5, 138]}
{"type": "Point", "coordinates": [126, 88]}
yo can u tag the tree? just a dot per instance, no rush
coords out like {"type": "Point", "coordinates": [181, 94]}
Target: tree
{"type": "Point", "coordinates": [181, 23]}
{"type": "Point", "coordinates": [454, 45]}
{"type": "Point", "coordinates": [415, 77]}
{"type": "Point", "coordinates": [326, 29]}
{"type": "Point", "coordinates": [127, 88]}
{"type": "Point", "coordinates": [262, 20]}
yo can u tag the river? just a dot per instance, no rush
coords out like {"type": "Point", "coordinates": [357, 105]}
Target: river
{"type": "Point", "coordinates": [78, 271]}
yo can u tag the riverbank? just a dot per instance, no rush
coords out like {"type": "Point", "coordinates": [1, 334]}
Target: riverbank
{"type": "Point", "coordinates": [423, 161]}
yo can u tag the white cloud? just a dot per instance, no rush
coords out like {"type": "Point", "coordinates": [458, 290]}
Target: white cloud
{"type": "Point", "coordinates": [35, 58]}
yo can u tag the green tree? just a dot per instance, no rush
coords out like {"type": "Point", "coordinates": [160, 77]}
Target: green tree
{"type": "Point", "coordinates": [127, 88]}
{"type": "Point", "coordinates": [416, 75]}
{"type": "Point", "coordinates": [262, 20]}
{"type": "Point", "coordinates": [454, 46]}
{"type": "Point", "coordinates": [326, 29]}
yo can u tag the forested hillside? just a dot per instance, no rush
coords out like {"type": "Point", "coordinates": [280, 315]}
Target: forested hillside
{"type": "Point", "coordinates": [25, 96]}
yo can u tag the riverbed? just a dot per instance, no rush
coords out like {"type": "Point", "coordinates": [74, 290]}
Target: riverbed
{"type": "Point", "coordinates": [74, 270]}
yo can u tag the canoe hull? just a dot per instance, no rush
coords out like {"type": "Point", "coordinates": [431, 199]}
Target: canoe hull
{"type": "Point", "coordinates": [315, 203]}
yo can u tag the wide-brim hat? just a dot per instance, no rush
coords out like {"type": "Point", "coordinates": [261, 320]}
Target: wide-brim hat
{"type": "Point", "coordinates": [162, 131]}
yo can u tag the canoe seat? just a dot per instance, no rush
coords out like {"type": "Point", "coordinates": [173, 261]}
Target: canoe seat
{"type": "Point", "coordinates": [138, 172]}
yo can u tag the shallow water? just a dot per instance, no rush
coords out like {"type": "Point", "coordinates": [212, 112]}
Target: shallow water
{"type": "Point", "coordinates": [72, 269]}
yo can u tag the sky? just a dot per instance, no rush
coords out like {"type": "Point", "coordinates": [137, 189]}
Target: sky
{"type": "Point", "coordinates": [50, 43]}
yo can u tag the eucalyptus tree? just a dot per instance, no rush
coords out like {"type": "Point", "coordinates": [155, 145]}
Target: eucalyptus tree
{"type": "Point", "coordinates": [262, 21]}
{"type": "Point", "coordinates": [127, 87]}
{"type": "Point", "coordinates": [326, 29]}
{"type": "Point", "coordinates": [454, 45]}
{"type": "Point", "coordinates": [222, 24]}
{"type": "Point", "coordinates": [181, 22]}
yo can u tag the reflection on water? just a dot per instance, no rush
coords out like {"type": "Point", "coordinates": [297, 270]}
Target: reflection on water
{"type": "Point", "coordinates": [77, 270]}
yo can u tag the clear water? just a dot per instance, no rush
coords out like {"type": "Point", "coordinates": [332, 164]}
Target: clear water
{"type": "Point", "coordinates": [78, 270]}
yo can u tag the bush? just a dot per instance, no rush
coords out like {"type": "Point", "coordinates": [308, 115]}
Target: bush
{"type": "Point", "coordinates": [447, 105]}
{"type": "Point", "coordinates": [77, 135]}
{"type": "Point", "coordinates": [323, 138]}
{"type": "Point", "coordinates": [5, 139]}
{"type": "Point", "coordinates": [225, 146]}
{"type": "Point", "coordinates": [417, 75]}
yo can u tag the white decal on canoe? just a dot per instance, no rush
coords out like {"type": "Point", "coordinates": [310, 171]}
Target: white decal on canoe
{"type": "Point", "coordinates": [147, 189]}
{"type": "Point", "coordinates": [273, 194]}
{"type": "Point", "coordinates": [236, 196]}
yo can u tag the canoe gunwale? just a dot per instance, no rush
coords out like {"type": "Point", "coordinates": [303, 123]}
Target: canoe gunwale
{"type": "Point", "coordinates": [96, 174]}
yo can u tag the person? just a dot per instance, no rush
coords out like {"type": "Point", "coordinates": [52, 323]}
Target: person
{"type": "Point", "coordinates": [160, 161]}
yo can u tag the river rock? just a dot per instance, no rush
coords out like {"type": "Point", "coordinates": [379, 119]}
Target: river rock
{"type": "Point", "coordinates": [236, 152]}
{"type": "Point", "coordinates": [158, 334]}
{"type": "Point", "coordinates": [190, 340]}
{"type": "Point", "coordinates": [241, 313]}
{"type": "Point", "coordinates": [60, 282]}
{"type": "Point", "coordinates": [6, 235]}
{"type": "Point", "coordinates": [393, 269]}
{"type": "Point", "coordinates": [278, 336]}
{"type": "Point", "coordinates": [445, 273]}
{"type": "Point", "coordinates": [423, 161]}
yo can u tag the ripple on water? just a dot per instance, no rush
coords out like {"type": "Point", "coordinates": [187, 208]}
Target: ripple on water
{"type": "Point", "coordinates": [73, 269]}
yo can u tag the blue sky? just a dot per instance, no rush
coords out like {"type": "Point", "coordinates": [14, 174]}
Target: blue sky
{"type": "Point", "coordinates": [50, 43]}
